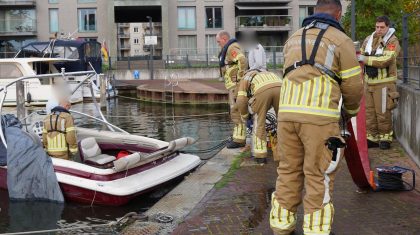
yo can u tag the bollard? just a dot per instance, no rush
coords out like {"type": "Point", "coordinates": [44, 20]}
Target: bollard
{"type": "Point", "coordinates": [102, 89]}
{"type": "Point", "coordinates": [20, 100]}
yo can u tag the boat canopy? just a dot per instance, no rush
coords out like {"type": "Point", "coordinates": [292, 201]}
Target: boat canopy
{"type": "Point", "coordinates": [83, 51]}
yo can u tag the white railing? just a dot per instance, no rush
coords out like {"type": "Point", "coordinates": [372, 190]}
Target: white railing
{"type": "Point", "coordinates": [264, 21]}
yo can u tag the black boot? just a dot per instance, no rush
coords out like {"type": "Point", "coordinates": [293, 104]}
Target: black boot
{"type": "Point", "coordinates": [372, 144]}
{"type": "Point", "coordinates": [384, 145]}
{"type": "Point", "coordinates": [233, 145]}
{"type": "Point", "coordinates": [260, 160]}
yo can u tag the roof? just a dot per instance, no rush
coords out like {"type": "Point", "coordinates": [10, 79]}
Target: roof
{"type": "Point", "coordinates": [33, 59]}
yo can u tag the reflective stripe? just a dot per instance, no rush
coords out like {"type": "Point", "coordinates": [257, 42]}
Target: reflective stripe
{"type": "Point", "coordinates": [316, 92]}
{"type": "Point", "coordinates": [329, 59]}
{"type": "Point", "coordinates": [352, 111]}
{"type": "Point", "coordinates": [73, 150]}
{"type": "Point", "coordinates": [320, 221]}
{"type": "Point", "coordinates": [57, 143]}
{"type": "Point", "coordinates": [386, 137]}
{"type": "Point", "coordinates": [387, 55]}
{"type": "Point", "coordinates": [259, 146]}
{"type": "Point", "coordinates": [377, 80]}
{"type": "Point", "coordinates": [327, 94]}
{"type": "Point", "coordinates": [309, 110]}
{"type": "Point", "coordinates": [280, 218]}
{"type": "Point", "coordinates": [242, 93]}
{"type": "Point", "coordinates": [239, 132]}
{"type": "Point", "coordinates": [350, 72]}
{"type": "Point", "coordinates": [372, 138]}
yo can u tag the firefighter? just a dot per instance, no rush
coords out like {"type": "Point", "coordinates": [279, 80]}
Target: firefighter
{"type": "Point", "coordinates": [233, 64]}
{"type": "Point", "coordinates": [321, 72]}
{"type": "Point", "coordinates": [379, 53]}
{"type": "Point", "coordinates": [59, 133]}
{"type": "Point", "coordinates": [261, 90]}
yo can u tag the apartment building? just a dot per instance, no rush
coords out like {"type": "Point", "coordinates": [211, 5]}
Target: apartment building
{"type": "Point", "coordinates": [131, 39]}
{"type": "Point", "coordinates": [18, 25]}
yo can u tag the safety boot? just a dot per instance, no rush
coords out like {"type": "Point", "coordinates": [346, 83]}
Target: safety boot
{"type": "Point", "coordinates": [260, 160]}
{"type": "Point", "coordinates": [384, 145]}
{"type": "Point", "coordinates": [372, 144]}
{"type": "Point", "coordinates": [233, 145]}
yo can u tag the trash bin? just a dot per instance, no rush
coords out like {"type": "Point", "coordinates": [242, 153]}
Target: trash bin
{"type": "Point", "coordinates": [136, 74]}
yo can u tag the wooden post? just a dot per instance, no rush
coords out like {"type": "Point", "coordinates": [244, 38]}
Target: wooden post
{"type": "Point", "coordinates": [20, 100]}
{"type": "Point", "coordinates": [103, 86]}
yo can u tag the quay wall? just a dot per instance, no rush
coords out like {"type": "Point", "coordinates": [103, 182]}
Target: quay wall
{"type": "Point", "coordinates": [407, 120]}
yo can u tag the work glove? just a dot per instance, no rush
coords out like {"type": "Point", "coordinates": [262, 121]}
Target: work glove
{"type": "Point", "coordinates": [360, 58]}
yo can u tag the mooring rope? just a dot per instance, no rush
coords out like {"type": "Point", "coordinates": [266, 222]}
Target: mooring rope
{"type": "Point", "coordinates": [110, 224]}
{"type": "Point", "coordinates": [170, 116]}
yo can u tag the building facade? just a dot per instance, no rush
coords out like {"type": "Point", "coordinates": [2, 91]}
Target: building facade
{"type": "Point", "coordinates": [181, 26]}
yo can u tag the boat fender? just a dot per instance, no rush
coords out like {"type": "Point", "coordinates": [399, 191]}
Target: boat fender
{"type": "Point", "coordinates": [122, 153]}
{"type": "Point", "coordinates": [28, 97]}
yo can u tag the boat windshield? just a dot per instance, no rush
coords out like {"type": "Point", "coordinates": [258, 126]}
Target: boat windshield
{"type": "Point", "coordinates": [9, 71]}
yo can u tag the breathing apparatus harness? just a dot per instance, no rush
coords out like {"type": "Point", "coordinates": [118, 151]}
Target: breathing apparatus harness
{"type": "Point", "coordinates": [311, 61]}
{"type": "Point", "coordinates": [56, 111]}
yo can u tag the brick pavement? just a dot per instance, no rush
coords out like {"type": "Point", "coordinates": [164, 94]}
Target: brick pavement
{"type": "Point", "coordinates": [242, 206]}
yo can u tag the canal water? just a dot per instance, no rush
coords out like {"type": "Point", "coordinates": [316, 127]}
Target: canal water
{"type": "Point", "coordinates": [209, 125]}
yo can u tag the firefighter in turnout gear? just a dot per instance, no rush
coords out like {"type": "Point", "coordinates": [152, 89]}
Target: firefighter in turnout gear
{"type": "Point", "coordinates": [59, 133]}
{"type": "Point", "coordinates": [379, 53]}
{"type": "Point", "coordinates": [321, 72]}
{"type": "Point", "coordinates": [233, 64]}
{"type": "Point", "coordinates": [261, 91]}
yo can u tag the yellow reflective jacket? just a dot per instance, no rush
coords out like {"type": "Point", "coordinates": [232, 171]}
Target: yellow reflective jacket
{"type": "Point", "coordinates": [254, 83]}
{"type": "Point", "coordinates": [309, 95]}
{"type": "Point", "coordinates": [59, 134]}
{"type": "Point", "coordinates": [386, 63]}
{"type": "Point", "coordinates": [235, 66]}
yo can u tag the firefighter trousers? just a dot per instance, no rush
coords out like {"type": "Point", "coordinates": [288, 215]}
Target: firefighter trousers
{"type": "Point", "coordinates": [262, 102]}
{"type": "Point", "coordinates": [380, 100]}
{"type": "Point", "coordinates": [239, 130]}
{"type": "Point", "coordinates": [305, 161]}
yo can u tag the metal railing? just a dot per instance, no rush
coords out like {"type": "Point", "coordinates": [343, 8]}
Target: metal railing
{"type": "Point", "coordinates": [17, 26]}
{"type": "Point", "coordinates": [264, 21]}
{"type": "Point", "coordinates": [411, 51]}
{"type": "Point", "coordinates": [17, 2]}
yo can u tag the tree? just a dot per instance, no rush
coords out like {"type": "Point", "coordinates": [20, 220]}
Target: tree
{"type": "Point", "coordinates": [368, 10]}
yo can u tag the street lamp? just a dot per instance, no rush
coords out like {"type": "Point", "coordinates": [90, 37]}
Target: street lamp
{"type": "Point", "coordinates": [151, 51]}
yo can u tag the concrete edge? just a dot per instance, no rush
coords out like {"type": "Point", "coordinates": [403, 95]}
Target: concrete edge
{"type": "Point", "coordinates": [179, 202]}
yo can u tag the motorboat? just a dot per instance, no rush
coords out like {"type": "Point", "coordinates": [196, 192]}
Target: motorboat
{"type": "Point", "coordinates": [83, 55]}
{"type": "Point", "coordinates": [114, 166]}
{"type": "Point", "coordinates": [36, 91]}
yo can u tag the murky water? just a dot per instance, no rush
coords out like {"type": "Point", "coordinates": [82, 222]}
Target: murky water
{"type": "Point", "coordinates": [209, 125]}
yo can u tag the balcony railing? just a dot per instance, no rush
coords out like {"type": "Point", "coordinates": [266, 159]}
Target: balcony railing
{"type": "Point", "coordinates": [123, 24]}
{"type": "Point", "coordinates": [17, 27]}
{"type": "Point", "coordinates": [124, 35]}
{"type": "Point", "coordinates": [264, 22]}
{"type": "Point", "coordinates": [125, 47]}
{"type": "Point", "coordinates": [17, 3]}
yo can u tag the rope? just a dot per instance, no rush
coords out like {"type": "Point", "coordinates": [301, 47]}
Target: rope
{"type": "Point", "coordinates": [128, 97]}
{"type": "Point", "coordinates": [110, 224]}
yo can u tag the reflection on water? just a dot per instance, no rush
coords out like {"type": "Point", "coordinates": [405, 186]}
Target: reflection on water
{"type": "Point", "coordinates": [160, 121]}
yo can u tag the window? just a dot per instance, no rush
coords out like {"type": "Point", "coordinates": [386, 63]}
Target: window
{"type": "Point", "coordinates": [136, 41]}
{"type": "Point", "coordinates": [187, 44]}
{"type": "Point", "coordinates": [186, 17]}
{"type": "Point", "coordinates": [212, 49]}
{"type": "Point", "coordinates": [305, 11]}
{"type": "Point", "coordinates": [52, 1]}
{"type": "Point", "coordinates": [214, 17]}
{"type": "Point", "coordinates": [8, 70]}
{"type": "Point", "coordinates": [136, 29]}
{"type": "Point", "coordinates": [85, 1]}
{"type": "Point", "coordinates": [53, 20]}
{"type": "Point", "coordinates": [87, 20]}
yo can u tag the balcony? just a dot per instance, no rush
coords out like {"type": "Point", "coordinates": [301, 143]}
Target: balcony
{"type": "Point", "coordinates": [124, 25]}
{"type": "Point", "coordinates": [18, 27]}
{"type": "Point", "coordinates": [124, 35]}
{"type": "Point", "coordinates": [17, 3]}
{"type": "Point", "coordinates": [125, 47]}
{"type": "Point", "coordinates": [264, 23]}
{"type": "Point", "coordinates": [262, 1]}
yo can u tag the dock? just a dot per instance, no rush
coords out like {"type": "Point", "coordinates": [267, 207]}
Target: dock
{"type": "Point", "coordinates": [185, 91]}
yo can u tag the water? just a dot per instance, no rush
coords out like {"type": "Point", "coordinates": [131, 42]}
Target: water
{"type": "Point", "coordinates": [164, 122]}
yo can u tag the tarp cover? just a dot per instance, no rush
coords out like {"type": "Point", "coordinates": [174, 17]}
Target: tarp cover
{"type": "Point", "coordinates": [30, 172]}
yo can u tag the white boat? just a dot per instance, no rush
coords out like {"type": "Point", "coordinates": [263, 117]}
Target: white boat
{"type": "Point", "coordinates": [36, 91]}
{"type": "Point", "coordinates": [102, 176]}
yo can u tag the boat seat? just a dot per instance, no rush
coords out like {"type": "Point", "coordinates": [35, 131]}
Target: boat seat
{"type": "Point", "coordinates": [92, 153]}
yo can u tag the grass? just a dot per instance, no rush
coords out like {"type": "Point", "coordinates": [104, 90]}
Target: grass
{"type": "Point", "coordinates": [236, 164]}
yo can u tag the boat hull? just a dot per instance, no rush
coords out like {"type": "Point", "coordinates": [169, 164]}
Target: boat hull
{"type": "Point", "coordinates": [119, 191]}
